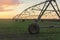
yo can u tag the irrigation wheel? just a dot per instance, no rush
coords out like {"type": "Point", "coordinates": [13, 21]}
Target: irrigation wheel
{"type": "Point", "coordinates": [33, 28]}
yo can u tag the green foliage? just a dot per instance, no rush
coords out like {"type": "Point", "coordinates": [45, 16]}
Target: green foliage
{"type": "Point", "coordinates": [13, 30]}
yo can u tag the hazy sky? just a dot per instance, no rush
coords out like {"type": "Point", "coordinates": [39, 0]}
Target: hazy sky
{"type": "Point", "coordinates": [9, 8]}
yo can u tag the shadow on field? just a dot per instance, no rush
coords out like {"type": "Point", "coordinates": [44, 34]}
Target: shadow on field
{"type": "Point", "coordinates": [27, 36]}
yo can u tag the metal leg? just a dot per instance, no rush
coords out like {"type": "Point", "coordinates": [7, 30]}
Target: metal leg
{"type": "Point", "coordinates": [55, 10]}
{"type": "Point", "coordinates": [40, 15]}
{"type": "Point", "coordinates": [57, 6]}
{"type": "Point", "coordinates": [43, 8]}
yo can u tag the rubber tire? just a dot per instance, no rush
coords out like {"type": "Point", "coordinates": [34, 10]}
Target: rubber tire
{"type": "Point", "coordinates": [36, 28]}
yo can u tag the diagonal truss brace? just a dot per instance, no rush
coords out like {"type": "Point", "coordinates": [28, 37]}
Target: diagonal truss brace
{"type": "Point", "coordinates": [45, 8]}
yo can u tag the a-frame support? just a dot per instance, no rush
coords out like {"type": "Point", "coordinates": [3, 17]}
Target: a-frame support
{"type": "Point", "coordinates": [46, 6]}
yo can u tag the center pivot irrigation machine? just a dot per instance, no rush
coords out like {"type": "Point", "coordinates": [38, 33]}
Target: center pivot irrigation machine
{"type": "Point", "coordinates": [34, 27]}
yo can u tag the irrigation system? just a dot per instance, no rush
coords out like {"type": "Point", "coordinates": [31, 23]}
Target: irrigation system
{"type": "Point", "coordinates": [40, 9]}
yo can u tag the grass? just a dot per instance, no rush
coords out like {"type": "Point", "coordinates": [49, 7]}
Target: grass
{"type": "Point", "coordinates": [11, 30]}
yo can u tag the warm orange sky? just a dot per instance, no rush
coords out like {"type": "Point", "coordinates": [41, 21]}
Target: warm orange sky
{"type": "Point", "coordinates": [5, 3]}
{"type": "Point", "coordinates": [7, 8]}
{"type": "Point", "coordinates": [10, 8]}
{"type": "Point", "coordinates": [9, 2]}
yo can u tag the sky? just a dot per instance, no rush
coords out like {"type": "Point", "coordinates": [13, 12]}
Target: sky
{"type": "Point", "coordinates": [10, 8]}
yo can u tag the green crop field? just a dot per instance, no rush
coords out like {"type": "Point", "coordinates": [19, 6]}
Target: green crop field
{"type": "Point", "coordinates": [12, 30]}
